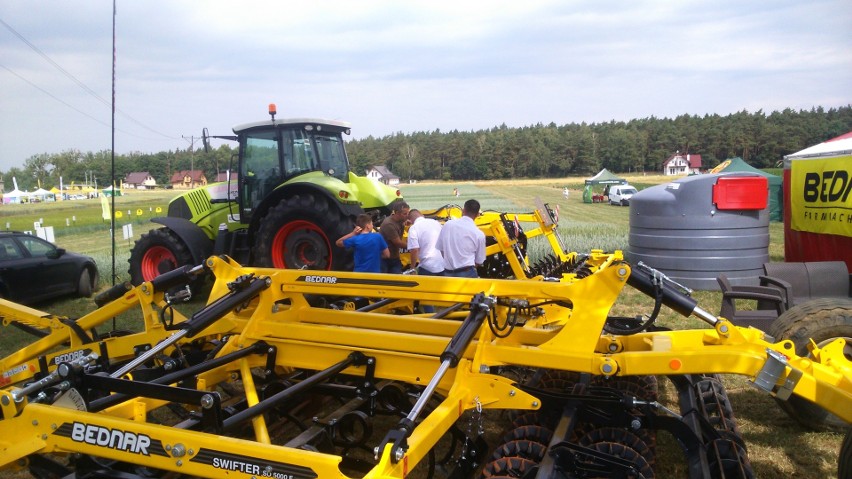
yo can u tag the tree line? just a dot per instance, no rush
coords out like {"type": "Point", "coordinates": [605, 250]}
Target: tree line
{"type": "Point", "coordinates": [583, 149]}
{"type": "Point", "coordinates": [640, 145]}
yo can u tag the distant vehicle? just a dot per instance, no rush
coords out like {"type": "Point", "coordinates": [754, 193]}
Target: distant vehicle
{"type": "Point", "coordinates": [620, 194]}
{"type": "Point", "coordinates": [33, 270]}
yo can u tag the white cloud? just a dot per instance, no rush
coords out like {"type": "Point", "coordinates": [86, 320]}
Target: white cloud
{"type": "Point", "coordinates": [406, 66]}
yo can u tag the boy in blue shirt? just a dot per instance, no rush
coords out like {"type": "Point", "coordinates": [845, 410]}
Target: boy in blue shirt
{"type": "Point", "coordinates": [369, 247]}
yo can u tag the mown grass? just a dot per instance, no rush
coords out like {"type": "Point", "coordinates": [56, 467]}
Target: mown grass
{"type": "Point", "coordinates": [778, 447]}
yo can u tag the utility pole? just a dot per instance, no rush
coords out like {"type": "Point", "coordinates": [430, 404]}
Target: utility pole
{"type": "Point", "coordinates": [191, 141]}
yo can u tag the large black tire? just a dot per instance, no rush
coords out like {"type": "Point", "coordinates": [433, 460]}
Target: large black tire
{"type": "Point", "coordinates": [844, 460]}
{"type": "Point", "coordinates": [822, 320]}
{"type": "Point", "coordinates": [299, 233]}
{"type": "Point", "coordinates": [155, 253]}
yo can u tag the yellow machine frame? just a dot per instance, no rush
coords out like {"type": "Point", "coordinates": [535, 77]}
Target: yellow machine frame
{"type": "Point", "coordinates": [403, 346]}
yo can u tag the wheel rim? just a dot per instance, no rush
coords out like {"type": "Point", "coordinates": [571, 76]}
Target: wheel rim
{"type": "Point", "coordinates": [153, 258]}
{"type": "Point", "coordinates": [301, 244]}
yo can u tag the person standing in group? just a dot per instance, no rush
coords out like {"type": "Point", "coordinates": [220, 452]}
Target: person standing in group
{"type": "Point", "coordinates": [425, 257]}
{"type": "Point", "coordinates": [462, 244]}
{"type": "Point", "coordinates": [370, 247]}
{"type": "Point", "coordinates": [422, 238]}
{"type": "Point", "coordinates": [392, 229]}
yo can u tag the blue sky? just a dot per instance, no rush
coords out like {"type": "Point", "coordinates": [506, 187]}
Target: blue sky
{"type": "Point", "coordinates": [390, 67]}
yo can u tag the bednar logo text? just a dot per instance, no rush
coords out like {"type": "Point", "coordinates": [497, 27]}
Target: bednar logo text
{"type": "Point", "coordinates": [821, 196]}
{"type": "Point", "coordinates": [117, 439]}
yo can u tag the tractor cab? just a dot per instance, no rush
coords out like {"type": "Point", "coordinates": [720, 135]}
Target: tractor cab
{"type": "Point", "coordinates": [273, 152]}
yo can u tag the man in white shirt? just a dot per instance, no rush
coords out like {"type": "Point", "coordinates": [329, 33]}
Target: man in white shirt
{"type": "Point", "coordinates": [422, 237]}
{"type": "Point", "coordinates": [462, 244]}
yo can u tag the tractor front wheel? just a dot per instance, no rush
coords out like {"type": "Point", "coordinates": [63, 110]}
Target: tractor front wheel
{"type": "Point", "coordinates": [299, 233]}
{"type": "Point", "coordinates": [155, 253]}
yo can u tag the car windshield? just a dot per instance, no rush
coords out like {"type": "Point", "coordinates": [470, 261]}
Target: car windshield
{"type": "Point", "coordinates": [628, 191]}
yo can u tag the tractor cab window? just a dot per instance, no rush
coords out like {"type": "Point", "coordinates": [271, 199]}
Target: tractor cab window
{"type": "Point", "coordinates": [299, 154]}
{"type": "Point", "coordinates": [332, 156]}
{"type": "Point", "coordinates": [260, 169]}
{"type": "Point", "coordinates": [306, 151]}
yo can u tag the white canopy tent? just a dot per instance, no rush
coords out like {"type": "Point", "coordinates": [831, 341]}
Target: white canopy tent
{"type": "Point", "coordinates": [14, 196]}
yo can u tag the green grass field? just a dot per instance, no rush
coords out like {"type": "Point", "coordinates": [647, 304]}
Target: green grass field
{"type": "Point", "coordinates": [778, 447]}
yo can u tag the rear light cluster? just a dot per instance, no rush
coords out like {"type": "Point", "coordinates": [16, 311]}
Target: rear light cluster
{"type": "Point", "coordinates": [398, 193]}
{"type": "Point", "coordinates": [343, 194]}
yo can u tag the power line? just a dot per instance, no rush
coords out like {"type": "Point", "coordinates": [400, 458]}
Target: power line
{"type": "Point", "coordinates": [78, 82]}
{"type": "Point", "coordinates": [51, 95]}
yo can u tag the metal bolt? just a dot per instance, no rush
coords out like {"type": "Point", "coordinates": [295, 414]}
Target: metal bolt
{"type": "Point", "coordinates": [179, 450]}
{"type": "Point", "coordinates": [168, 447]}
{"type": "Point", "coordinates": [512, 393]}
{"type": "Point", "coordinates": [371, 361]}
{"type": "Point", "coordinates": [606, 368]}
{"type": "Point", "coordinates": [207, 401]}
{"type": "Point", "coordinates": [399, 454]}
{"type": "Point", "coordinates": [5, 400]}
{"type": "Point", "coordinates": [53, 426]}
{"type": "Point", "coordinates": [44, 437]}
{"type": "Point", "coordinates": [179, 463]}
{"type": "Point", "coordinates": [635, 424]}
{"type": "Point", "coordinates": [35, 422]}
{"type": "Point", "coordinates": [270, 350]}
{"type": "Point", "coordinates": [376, 452]}
{"type": "Point", "coordinates": [268, 471]}
{"type": "Point", "coordinates": [723, 328]}
{"type": "Point", "coordinates": [613, 347]}
{"type": "Point", "coordinates": [190, 452]}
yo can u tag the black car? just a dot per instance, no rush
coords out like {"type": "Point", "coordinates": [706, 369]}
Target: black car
{"type": "Point", "coordinates": [33, 270]}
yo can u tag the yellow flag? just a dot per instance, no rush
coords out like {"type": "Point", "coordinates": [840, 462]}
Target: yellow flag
{"type": "Point", "coordinates": [105, 207]}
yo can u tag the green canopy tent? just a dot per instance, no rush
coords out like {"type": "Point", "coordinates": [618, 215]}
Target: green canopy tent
{"type": "Point", "coordinates": [604, 177]}
{"type": "Point", "coordinates": [776, 194]}
{"type": "Point", "coordinates": [110, 191]}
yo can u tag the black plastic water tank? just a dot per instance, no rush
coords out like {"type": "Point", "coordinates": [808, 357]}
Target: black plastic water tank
{"type": "Point", "coordinates": [697, 227]}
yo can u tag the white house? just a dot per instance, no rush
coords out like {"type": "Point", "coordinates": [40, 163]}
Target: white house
{"type": "Point", "coordinates": [382, 175]}
{"type": "Point", "coordinates": [140, 180]}
{"type": "Point", "coordinates": [680, 164]}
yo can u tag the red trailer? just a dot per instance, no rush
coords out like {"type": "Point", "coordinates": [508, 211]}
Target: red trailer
{"type": "Point", "coordinates": [818, 202]}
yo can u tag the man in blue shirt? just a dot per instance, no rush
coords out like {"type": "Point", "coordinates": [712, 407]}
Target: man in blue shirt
{"type": "Point", "coordinates": [369, 247]}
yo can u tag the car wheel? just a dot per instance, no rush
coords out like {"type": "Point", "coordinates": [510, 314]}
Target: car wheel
{"type": "Point", "coordinates": [84, 284]}
{"type": "Point", "coordinates": [300, 233]}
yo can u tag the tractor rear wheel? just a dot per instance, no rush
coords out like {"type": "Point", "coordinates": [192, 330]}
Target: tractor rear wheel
{"type": "Point", "coordinates": [155, 253]}
{"type": "Point", "coordinates": [299, 233]}
{"type": "Point", "coordinates": [822, 320]}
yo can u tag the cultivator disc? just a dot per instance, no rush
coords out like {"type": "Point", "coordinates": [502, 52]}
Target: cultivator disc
{"type": "Point", "coordinates": [606, 427]}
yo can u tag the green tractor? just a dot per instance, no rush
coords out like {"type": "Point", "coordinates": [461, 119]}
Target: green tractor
{"type": "Point", "coordinates": [292, 196]}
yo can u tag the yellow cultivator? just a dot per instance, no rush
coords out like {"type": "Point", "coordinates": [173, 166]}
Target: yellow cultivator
{"type": "Point", "coordinates": [304, 374]}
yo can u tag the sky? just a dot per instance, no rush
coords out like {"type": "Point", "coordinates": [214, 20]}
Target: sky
{"type": "Point", "coordinates": [400, 66]}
